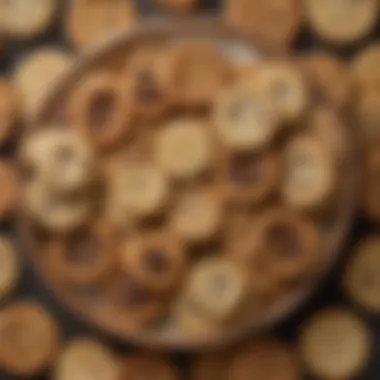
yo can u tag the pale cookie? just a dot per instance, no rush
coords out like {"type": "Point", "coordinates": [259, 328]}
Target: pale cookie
{"type": "Point", "coordinates": [27, 18]}
{"type": "Point", "coordinates": [310, 176]}
{"type": "Point", "coordinates": [37, 72]}
{"type": "Point", "coordinates": [340, 21]}
{"type": "Point", "coordinates": [86, 358]}
{"type": "Point", "coordinates": [218, 286]}
{"type": "Point", "coordinates": [361, 277]}
{"type": "Point", "coordinates": [183, 148]}
{"type": "Point", "coordinates": [335, 344]}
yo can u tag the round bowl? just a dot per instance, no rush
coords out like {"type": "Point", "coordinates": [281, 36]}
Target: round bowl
{"type": "Point", "coordinates": [87, 304]}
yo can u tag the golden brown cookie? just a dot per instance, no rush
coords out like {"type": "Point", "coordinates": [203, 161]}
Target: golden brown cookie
{"type": "Point", "coordinates": [101, 111]}
{"type": "Point", "coordinates": [9, 267]}
{"type": "Point", "coordinates": [152, 367]}
{"type": "Point", "coordinates": [146, 79]}
{"type": "Point", "coordinates": [27, 19]}
{"type": "Point", "coordinates": [289, 243]}
{"type": "Point", "coordinates": [330, 79]}
{"type": "Point", "coordinates": [36, 73]}
{"type": "Point", "coordinates": [29, 339]}
{"type": "Point", "coordinates": [265, 358]}
{"type": "Point", "coordinates": [360, 280]}
{"type": "Point", "coordinates": [341, 22]}
{"type": "Point", "coordinates": [83, 257]}
{"type": "Point", "coordinates": [335, 344]}
{"type": "Point", "coordinates": [86, 358]}
{"type": "Point", "coordinates": [9, 190]}
{"type": "Point", "coordinates": [91, 22]}
{"type": "Point", "coordinates": [310, 176]}
{"type": "Point", "coordinates": [184, 148]}
{"type": "Point", "coordinates": [276, 22]}
{"type": "Point", "coordinates": [364, 65]}
{"type": "Point", "coordinates": [249, 178]}
{"type": "Point", "coordinates": [156, 261]}
{"type": "Point", "coordinates": [199, 71]}
{"type": "Point", "coordinates": [10, 109]}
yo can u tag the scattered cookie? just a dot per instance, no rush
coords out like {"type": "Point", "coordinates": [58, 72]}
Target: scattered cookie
{"type": "Point", "coordinates": [9, 190]}
{"type": "Point", "coordinates": [364, 65]}
{"type": "Point", "coordinates": [360, 280]}
{"type": "Point", "coordinates": [29, 339]}
{"type": "Point", "coordinates": [335, 344]}
{"type": "Point", "coordinates": [276, 22]}
{"type": "Point", "coordinates": [26, 19]}
{"type": "Point", "coordinates": [339, 22]}
{"type": "Point", "coordinates": [265, 358]}
{"type": "Point", "coordinates": [86, 358]}
{"type": "Point", "coordinates": [90, 22]}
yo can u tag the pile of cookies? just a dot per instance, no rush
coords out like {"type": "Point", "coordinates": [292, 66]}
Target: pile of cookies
{"type": "Point", "coordinates": [185, 187]}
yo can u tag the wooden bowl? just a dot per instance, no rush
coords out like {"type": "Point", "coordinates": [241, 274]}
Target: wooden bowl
{"type": "Point", "coordinates": [88, 304]}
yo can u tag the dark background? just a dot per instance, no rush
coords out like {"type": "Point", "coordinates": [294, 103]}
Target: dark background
{"type": "Point", "coordinates": [330, 292]}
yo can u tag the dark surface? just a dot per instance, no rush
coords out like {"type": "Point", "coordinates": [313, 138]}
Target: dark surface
{"type": "Point", "coordinates": [31, 287]}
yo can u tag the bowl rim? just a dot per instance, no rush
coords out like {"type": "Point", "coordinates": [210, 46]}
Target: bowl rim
{"type": "Point", "coordinates": [206, 26]}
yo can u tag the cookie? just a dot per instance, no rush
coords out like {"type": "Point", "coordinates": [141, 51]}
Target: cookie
{"type": "Point", "coordinates": [360, 280]}
{"type": "Point", "coordinates": [282, 86]}
{"type": "Point", "coordinates": [211, 366]}
{"type": "Point", "coordinates": [53, 212]}
{"type": "Point", "coordinates": [146, 79]}
{"type": "Point", "coordinates": [330, 80]}
{"type": "Point", "coordinates": [198, 216]}
{"type": "Point", "coordinates": [218, 287]}
{"type": "Point", "coordinates": [24, 19]}
{"type": "Point", "coordinates": [27, 332]}
{"type": "Point", "coordinates": [10, 267]}
{"type": "Point", "coordinates": [10, 111]}
{"type": "Point", "coordinates": [36, 73]}
{"type": "Point", "coordinates": [335, 344]}
{"type": "Point", "coordinates": [364, 65]}
{"type": "Point", "coordinates": [86, 358]}
{"type": "Point", "coordinates": [288, 244]}
{"type": "Point", "coordinates": [9, 190]}
{"type": "Point", "coordinates": [244, 120]}
{"type": "Point", "coordinates": [84, 257]}
{"type": "Point", "coordinates": [101, 111]}
{"type": "Point", "coordinates": [141, 189]}
{"type": "Point", "coordinates": [58, 158]}
{"type": "Point", "coordinates": [341, 23]}
{"type": "Point", "coordinates": [183, 148]}
{"type": "Point", "coordinates": [265, 358]}
{"type": "Point", "coordinates": [152, 367]}
{"type": "Point", "coordinates": [310, 176]}
{"type": "Point", "coordinates": [199, 71]}
{"type": "Point", "coordinates": [156, 261]}
{"type": "Point", "coordinates": [249, 178]}
{"type": "Point", "coordinates": [276, 22]}
{"type": "Point", "coordinates": [91, 22]}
